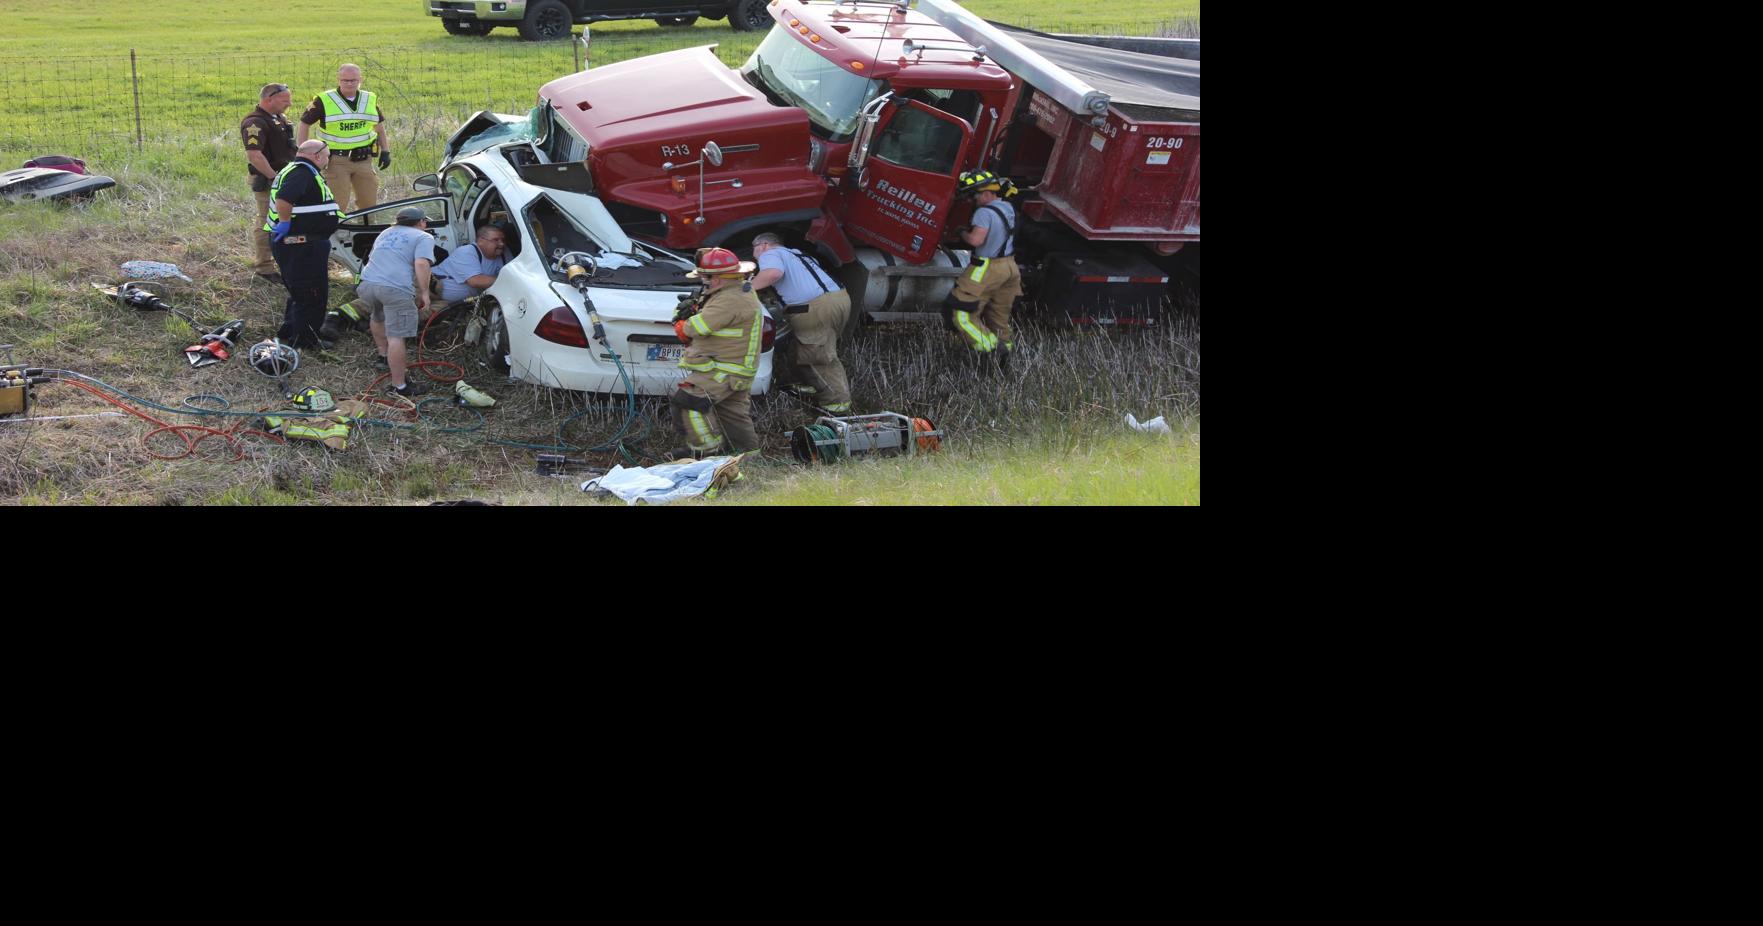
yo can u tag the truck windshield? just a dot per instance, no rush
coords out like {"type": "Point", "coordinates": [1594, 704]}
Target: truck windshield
{"type": "Point", "coordinates": [832, 97]}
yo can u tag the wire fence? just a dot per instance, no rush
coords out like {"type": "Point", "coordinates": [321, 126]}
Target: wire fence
{"type": "Point", "coordinates": [144, 102]}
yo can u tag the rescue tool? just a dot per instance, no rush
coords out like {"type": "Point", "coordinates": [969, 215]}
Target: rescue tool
{"type": "Point", "coordinates": [831, 439]}
{"type": "Point", "coordinates": [216, 345]}
{"type": "Point", "coordinates": [136, 295]}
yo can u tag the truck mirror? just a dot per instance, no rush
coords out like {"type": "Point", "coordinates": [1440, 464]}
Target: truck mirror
{"type": "Point", "coordinates": [712, 153]}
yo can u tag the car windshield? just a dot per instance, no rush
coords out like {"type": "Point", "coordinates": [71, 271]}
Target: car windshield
{"type": "Point", "coordinates": [792, 72]}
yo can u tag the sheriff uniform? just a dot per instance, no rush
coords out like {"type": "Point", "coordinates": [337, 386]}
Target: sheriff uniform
{"type": "Point", "coordinates": [304, 253]}
{"type": "Point", "coordinates": [348, 127]}
{"type": "Point", "coordinates": [274, 136]}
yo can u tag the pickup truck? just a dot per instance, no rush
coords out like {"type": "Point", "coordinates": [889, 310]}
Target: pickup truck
{"type": "Point", "coordinates": [545, 20]}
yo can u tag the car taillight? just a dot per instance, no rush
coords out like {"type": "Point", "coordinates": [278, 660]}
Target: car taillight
{"type": "Point", "coordinates": [768, 333]}
{"type": "Point", "coordinates": [560, 327]}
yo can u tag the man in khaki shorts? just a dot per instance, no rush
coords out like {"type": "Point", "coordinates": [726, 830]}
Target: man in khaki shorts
{"type": "Point", "coordinates": [394, 287]}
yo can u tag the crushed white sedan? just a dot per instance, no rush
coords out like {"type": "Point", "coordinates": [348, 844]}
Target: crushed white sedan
{"type": "Point", "coordinates": [533, 324]}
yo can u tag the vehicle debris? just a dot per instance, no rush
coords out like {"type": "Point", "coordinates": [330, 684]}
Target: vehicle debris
{"type": "Point", "coordinates": [153, 270]}
{"type": "Point", "coordinates": [26, 184]}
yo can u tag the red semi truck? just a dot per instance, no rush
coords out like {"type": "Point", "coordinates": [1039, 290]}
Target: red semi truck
{"type": "Point", "coordinates": [846, 130]}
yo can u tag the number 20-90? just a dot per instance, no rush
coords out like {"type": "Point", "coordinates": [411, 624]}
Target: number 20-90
{"type": "Point", "coordinates": [1170, 143]}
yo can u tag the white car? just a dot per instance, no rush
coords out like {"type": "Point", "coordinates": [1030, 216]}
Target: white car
{"type": "Point", "coordinates": [534, 324]}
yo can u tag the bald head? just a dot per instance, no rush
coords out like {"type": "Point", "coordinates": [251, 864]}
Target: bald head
{"type": "Point", "coordinates": [349, 79]}
{"type": "Point", "coordinates": [315, 151]}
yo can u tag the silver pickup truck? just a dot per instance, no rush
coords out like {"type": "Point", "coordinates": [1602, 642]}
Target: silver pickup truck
{"type": "Point", "coordinates": [545, 20]}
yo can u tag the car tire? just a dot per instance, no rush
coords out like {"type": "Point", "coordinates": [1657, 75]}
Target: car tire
{"type": "Point", "coordinates": [493, 343]}
{"type": "Point", "coordinates": [749, 15]}
{"type": "Point", "coordinates": [546, 21]}
{"type": "Point", "coordinates": [675, 20]}
{"type": "Point", "coordinates": [461, 27]}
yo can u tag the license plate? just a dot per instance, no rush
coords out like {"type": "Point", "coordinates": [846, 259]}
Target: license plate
{"type": "Point", "coordinates": [666, 353]}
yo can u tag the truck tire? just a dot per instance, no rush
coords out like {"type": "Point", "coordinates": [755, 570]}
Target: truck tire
{"type": "Point", "coordinates": [675, 20]}
{"type": "Point", "coordinates": [749, 15]}
{"type": "Point", "coordinates": [461, 27]}
{"type": "Point", "coordinates": [546, 21]}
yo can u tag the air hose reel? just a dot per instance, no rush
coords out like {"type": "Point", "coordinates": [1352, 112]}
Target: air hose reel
{"type": "Point", "coordinates": [829, 439]}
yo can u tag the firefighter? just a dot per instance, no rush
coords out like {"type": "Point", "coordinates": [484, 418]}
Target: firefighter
{"type": "Point", "coordinates": [302, 215]}
{"type": "Point", "coordinates": [800, 280]}
{"type": "Point", "coordinates": [723, 335]}
{"type": "Point", "coordinates": [979, 307]}
{"type": "Point", "coordinates": [350, 121]}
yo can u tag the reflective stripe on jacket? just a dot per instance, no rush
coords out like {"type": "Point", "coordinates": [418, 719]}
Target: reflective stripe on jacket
{"type": "Point", "coordinates": [275, 193]}
{"type": "Point", "coordinates": [343, 128]}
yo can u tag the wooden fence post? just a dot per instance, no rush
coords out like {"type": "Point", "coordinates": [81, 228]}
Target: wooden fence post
{"type": "Point", "coordinates": [135, 78]}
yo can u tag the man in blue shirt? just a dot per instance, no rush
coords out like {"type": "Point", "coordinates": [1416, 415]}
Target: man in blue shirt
{"type": "Point", "coordinates": [802, 280]}
{"type": "Point", "coordinates": [473, 268]}
{"type": "Point", "coordinates": [394, 286]}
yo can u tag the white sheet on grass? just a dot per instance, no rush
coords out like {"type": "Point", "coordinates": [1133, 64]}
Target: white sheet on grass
{"type": "Point", "coordinates": [657, 485]}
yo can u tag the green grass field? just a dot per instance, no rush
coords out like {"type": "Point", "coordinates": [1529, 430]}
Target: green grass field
{"type": "Point", "coordinates": [1050, 433]}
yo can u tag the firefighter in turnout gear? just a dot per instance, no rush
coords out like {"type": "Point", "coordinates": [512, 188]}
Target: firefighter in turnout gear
{"type": "Point", "coordinates": [800, 280]}
{"type": "Point", "coordinates": [979, 307]}
{"type": "Point", "coordinates": [302, 216]}
{"type": "Point", "coordinates": [723, 334]}
{"type": "Point", "coordinates": [348, 119]}
{"type": "Point", "coordinates": [355, 317]}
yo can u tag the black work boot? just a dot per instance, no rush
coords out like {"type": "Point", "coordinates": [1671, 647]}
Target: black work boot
{"type": "Point", "coordinates": [332, 328]}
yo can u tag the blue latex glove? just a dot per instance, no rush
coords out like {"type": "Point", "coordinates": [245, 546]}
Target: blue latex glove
{"type": "Point", "coordinates": [385, 159]}
{"type": "Point", "coordinates": [279, 230]}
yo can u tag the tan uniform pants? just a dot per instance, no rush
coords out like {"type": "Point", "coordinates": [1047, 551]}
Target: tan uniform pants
{"type": "Point", "coordinates": [345, 176]}
{"type": "Point", "coordinates": [996, 289]}
{"type": "Point", "coordinates": [817, 348]}
{"type": "Point", "coordinates": [730, 414]}
{"type": "Point", "coordinates": [265, 262]}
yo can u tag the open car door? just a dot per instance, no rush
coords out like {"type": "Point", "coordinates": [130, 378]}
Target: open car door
{"type": "Point", "coordinates": [903, 193]}
{"type": "Point", "coordinates": [353, 240]}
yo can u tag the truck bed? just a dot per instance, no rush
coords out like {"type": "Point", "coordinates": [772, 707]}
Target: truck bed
{"type": "Point", "coordinates": [1160, 88]}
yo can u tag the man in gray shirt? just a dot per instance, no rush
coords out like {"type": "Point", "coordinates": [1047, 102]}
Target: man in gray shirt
{"type": "Point", "coordinates": [394, 285]}
{"type": "Point", "coordinates": [473, 268]}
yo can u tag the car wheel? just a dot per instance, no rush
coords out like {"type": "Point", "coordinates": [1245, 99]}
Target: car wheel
{"type": "Point", "coordinates": [749, 15]}
{"type": "Point", "coordinates": [546, 20]}
{"type": "Point", "coordinates": [675, 20]}
{"type": "Point", "coordinates": [493, 343]}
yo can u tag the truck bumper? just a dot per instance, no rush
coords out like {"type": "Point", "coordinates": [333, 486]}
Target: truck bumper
{"type": "Point", "coordinates": [478, 10]}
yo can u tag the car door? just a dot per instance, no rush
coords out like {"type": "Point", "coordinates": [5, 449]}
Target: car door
{"type": "Point", "coordinates": [906, 186]}
{"type": "Point", "coordinates": [352, 242]}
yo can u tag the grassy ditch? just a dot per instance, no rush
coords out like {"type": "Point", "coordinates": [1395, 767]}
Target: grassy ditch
{"type": "Point", "coordinates": [1047, 432]}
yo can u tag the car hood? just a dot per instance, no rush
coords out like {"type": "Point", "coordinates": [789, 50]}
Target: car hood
{"type": "Point", "coordinates": [639, 114]}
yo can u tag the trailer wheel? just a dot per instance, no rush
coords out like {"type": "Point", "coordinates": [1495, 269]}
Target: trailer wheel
{"type": "Point", "coordinates": [545, 21]}
{"type": "Point", "coordinates": [748, 15]}
{"type": "Point", "coordinates": [675, 20]}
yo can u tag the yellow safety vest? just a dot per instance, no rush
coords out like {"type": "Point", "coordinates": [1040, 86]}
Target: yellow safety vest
{"type": "Point", "coordinates": [275, 193]}
{"type": "Point", "coordinates": [345, 129]}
